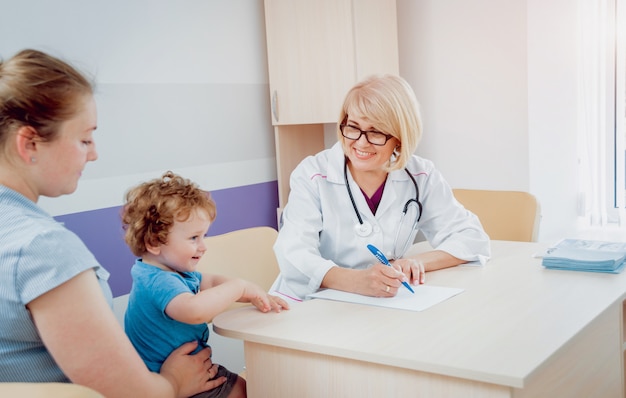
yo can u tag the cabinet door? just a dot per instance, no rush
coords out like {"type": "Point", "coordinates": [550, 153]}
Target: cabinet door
{"type": "Point", "coordinates": [311, 58]}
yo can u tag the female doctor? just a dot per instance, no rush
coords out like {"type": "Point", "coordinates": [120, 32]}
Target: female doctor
{"type": "Point", "coordinates": [370, 188]}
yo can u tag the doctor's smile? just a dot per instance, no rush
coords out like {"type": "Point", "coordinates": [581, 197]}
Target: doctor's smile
{"type": "Point", "coordinates": [363, 155]}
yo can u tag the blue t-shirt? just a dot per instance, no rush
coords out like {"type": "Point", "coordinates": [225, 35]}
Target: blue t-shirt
{"type": "Point", "coordinates": [37, 254]}
{"type": "Point", "coordinates": [154, 334]}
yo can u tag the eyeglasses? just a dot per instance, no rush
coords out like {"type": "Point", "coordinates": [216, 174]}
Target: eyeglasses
{"type": "Point", "coordinates": [373, 137]}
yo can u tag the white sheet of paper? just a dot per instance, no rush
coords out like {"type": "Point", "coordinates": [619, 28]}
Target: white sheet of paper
{"type": "Point", "coordinates": [425, 297]}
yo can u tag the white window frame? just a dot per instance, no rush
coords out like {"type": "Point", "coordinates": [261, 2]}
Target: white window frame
{"type": "Point", "coordinates": [619, 116]}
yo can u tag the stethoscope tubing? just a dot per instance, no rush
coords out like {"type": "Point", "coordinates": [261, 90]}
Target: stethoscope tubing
{"type": "Point", "coordinates": [406, 205]}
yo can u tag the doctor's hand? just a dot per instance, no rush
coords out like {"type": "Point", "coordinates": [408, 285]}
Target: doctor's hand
{"type": "Point", "coordinates": [412, 268]}
{"type": "Point", "coordinates": [379, 281]}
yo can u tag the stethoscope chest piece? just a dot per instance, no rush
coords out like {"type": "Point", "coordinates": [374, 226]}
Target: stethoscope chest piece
{"type": "Point", "coordinates": [364, 229]}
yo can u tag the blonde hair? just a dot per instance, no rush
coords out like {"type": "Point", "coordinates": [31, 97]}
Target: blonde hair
{"type": "Point", "coordinates": [389, 104]}
{"type": "Point", "coordinates": [39, 90]}
{"type": "Point", "coordinates": [152, 208]}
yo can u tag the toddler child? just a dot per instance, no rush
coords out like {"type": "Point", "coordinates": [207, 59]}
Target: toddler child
{"type": "Point", "coordinates": [170, 303]}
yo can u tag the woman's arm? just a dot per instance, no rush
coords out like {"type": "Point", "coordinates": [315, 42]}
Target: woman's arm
{"type": "Point", "coordinates": [415, 267]}
{"type": "Point", "coordinates": [82, 334]}
{"type": "Point", "coordinates": [437, 259]}
{"type": "Point", "coordinates": [373, 281]}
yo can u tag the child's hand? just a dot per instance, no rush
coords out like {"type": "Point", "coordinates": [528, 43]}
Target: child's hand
{"type": "Point", "coordinates": [263, 301]}
{"type": "Point", "coordinates": [277, 303]}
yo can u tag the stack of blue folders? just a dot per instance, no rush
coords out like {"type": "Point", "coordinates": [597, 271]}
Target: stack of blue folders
{"type": "Point", "coordinates": [586, 255]}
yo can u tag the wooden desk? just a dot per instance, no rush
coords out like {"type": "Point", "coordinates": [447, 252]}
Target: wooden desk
{"type": "Point", "coordinates": [518, 330]}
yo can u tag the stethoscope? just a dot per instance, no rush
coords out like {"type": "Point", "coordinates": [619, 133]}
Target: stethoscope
{"type": "Point", "coordinates": [364, 228]}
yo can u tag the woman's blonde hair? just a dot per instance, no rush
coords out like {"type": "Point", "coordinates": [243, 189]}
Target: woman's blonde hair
{"type": "Point", "coordinates": [152, 208]}
{"type": "Point", "coordinates": [41, 91]}
{"type": "Point", "coordinates": [389, 104]}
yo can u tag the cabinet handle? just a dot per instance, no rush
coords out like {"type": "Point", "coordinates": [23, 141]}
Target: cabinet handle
{"type": "Point", "coordinates": [274, 110]}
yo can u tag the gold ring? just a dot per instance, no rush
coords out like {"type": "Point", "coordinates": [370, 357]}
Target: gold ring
{"type": "Point", "coordinates": [387, 289]}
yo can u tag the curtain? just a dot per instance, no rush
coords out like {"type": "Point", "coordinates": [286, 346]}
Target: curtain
{"type": "Point", "coordinates": [600, 117]}
{"type": "Point", "coordinates": [620, 108]}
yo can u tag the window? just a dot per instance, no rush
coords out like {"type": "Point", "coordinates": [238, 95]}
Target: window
{"type": "Point", "coordinates": [620, 111]}
{"type": "Point", "coordinates": [602, 112]}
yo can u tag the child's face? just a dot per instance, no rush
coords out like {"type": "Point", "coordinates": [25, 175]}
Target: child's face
{"type": "Point", "coordinates": [185, 243]}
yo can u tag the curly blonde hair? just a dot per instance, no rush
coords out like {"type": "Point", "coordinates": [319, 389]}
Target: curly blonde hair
{"type": "Point", "coordinates": [152, 207]}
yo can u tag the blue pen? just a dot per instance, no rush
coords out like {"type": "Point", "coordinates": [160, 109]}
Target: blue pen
{"type": "Point", "coordinates": [381, 257]}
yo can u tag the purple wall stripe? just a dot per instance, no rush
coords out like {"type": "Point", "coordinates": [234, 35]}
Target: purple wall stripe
{"type": "Point", "coordinates": [101, 230]}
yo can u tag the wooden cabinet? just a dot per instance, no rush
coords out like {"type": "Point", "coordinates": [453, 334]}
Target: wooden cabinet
{"type": "Point", "coordinates": [317, 50]}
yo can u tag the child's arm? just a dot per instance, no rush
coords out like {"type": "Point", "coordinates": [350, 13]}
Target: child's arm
{"type": "Point", "coordinates": [216, 295]}
{"type": "Point", "coordinates": [252, 293]}
{"type": "Point", "coordinates": [211, 280]}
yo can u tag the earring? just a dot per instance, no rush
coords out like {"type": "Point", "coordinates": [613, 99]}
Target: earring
{"type": "Point", "coordinates": [33, 159]}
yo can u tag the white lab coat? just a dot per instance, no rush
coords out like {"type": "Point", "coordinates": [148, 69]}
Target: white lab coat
{"type": "Point", "coordinates": [318, 222]}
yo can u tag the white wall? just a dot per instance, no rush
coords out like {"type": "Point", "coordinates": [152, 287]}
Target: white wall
{"type": "Point", "coordinates": [552, 118]}
{"type": "Point", "coordinates": [496, 80]}
{"type": "Point", "coordinates": [180, 85]}
{"type": "Point", "coordinates": [467, 64]}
